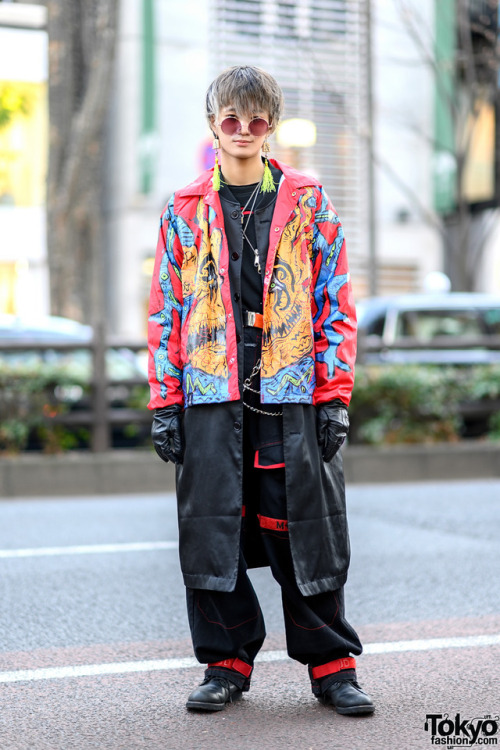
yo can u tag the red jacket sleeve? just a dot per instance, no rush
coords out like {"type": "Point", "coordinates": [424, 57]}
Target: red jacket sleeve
{"type": "Point", "coordinates": [165, 317]}
{"type": "Point", "coordinates": [334, 314]}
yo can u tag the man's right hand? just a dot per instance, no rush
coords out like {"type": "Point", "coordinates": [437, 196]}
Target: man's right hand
{"type": "Point", "coordinates": [167, 433]}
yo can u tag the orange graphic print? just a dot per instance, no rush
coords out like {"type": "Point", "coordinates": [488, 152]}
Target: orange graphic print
{"type": "Point", "coordinates": [206, 338]}
{"type": "Point", "coordinates": [288, 332]}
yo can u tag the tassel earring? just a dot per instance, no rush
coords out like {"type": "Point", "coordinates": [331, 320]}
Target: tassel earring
{"type": "Point", "coordinates": [268, 185]}
{"type": "Point", "coordinates": [216, 177]}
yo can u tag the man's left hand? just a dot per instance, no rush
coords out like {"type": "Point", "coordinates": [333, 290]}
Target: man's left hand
{"type": "Point", "coordinates": [332, 424]}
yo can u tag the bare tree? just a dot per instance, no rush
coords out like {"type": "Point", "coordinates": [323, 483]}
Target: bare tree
{"type": "Point", "coordinates": [466, 227]}
{"type": "Point", "coordinates": [82, 37]}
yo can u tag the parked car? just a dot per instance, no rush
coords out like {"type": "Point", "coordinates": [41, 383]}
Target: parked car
{"type": "Point", "coordinates": [43, 334]}
{"type": "Point", "coordinates": [47, 327]}
{"type": "Point", "coordinates": [121, 362]}
{"type": "Point", "coordinates": [456, 328]}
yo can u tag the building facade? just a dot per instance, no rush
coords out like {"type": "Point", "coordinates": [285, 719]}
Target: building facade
{"type": "Point", "coordinates": [24, 281]}
{"type": "Point", "coordinates": [158, 139]}
{"type": "Point", "coordinates": [318, 51]}
{"type": "Point", "coordinates": [315, 48]}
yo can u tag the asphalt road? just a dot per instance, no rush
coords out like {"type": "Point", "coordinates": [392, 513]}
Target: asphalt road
{"type": "Point", "coordinates": [95, 649]}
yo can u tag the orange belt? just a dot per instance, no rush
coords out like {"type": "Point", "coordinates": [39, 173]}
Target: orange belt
{"type": "Point", "coordinates": [253, 319]}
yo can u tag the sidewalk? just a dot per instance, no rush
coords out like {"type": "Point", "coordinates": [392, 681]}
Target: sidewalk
{"type": "Point", "coordinates": [414, 690]}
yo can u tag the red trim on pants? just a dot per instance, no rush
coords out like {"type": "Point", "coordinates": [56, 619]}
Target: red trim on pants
{"type": "Point", "coordinates": [333, 666]}
{"type": "Point", "coordinates": [276, 524]}
{"type": "Point", "coordinates": [258, 465]}
{"type": "Point", "coordinates": [235, 664]}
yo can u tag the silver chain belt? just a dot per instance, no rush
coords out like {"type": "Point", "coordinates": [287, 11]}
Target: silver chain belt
{"type": "Point", "coordinates": [248, 387]}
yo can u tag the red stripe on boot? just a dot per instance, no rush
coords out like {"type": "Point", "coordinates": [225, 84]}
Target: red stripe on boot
{"type": "Point", "coordinates": [333, 666]}
{"type": "Point", "coordinates": [235, 664]}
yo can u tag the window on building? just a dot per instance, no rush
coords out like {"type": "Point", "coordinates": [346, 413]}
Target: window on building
{"type": "Point", "coordinates": [8, 284]}
{"type": "Point", "coordinates": [316, 50]}
{"type": "Point", "coordinates": [287, 19]}
{"type": "Point", "coordinates": [23, 139]}
{"type": "Point", "coordinates": [328, 19]}
{"type": "Point", "coordinates": [243, 17]}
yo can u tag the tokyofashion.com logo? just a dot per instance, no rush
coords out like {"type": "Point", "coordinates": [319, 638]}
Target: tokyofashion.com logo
{"type": "Point", "coordinates": [457, 732]}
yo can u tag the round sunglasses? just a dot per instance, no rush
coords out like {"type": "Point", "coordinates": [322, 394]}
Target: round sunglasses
{"type": "Point", "coordinates": [257, 127]}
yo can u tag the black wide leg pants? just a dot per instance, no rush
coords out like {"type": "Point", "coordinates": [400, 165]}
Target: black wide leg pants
{"type": "Point", "coordinates": [227, 625]}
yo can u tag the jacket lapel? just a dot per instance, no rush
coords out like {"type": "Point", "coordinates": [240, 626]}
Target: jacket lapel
{"type": "Point", "coordinates": [289, 191]}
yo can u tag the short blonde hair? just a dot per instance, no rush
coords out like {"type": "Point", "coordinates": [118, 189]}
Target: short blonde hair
{"type": "Point", "coordinates": [248, 89]}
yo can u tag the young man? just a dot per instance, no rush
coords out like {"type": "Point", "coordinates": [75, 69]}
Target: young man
{"type": "Point", "coordinates": [252, 339]}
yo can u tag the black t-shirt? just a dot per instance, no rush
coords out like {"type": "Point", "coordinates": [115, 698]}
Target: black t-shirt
{"type": "Point", "coordinates": [251, 279]}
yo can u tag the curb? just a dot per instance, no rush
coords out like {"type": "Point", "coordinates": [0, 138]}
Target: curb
{"type": "Point", "coordinates": [140, 471]}
{"type": "Point", "coordinates": [113, 472]}
{"type": "Point", "coordinates": [420, 463]}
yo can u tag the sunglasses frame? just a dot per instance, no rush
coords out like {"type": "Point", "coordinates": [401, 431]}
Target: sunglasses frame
{"type": "Point", "coordinates": [238, 128]}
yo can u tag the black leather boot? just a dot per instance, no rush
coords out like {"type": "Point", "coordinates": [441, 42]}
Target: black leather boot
{"type": "Point", "coordinates": [348, 698]}
{"type": "Point", "coordinates": [213, 694]}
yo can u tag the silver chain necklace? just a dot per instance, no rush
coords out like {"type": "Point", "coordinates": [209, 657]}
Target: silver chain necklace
{"type": "Point", "coordinates": [244, 227]}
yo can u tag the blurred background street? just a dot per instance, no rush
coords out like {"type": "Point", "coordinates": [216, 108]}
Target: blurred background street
{"type": "Point", "coordinates": [421, 592]}
{"type": "Point", "coordinates": [393, 105]}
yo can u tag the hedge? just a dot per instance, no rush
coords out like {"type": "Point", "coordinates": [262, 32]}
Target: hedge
{"type": "Point", "coordinates": [424, 404]}
{"type": "Point", "coordinates": [390, 404]}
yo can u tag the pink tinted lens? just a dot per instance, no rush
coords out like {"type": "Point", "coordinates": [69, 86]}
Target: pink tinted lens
{"type": "Point", "coordinates": [230, 126]}
{"type": "Point", "coordinates": [257, 127]}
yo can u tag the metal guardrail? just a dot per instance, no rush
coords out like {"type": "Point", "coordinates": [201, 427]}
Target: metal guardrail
{"type": "Point", "coordinates": [68, 345]}
{"type": "Point", "coordinates": [438, 342]}
{"type": "Point", "coordinates": [369, 345]}
{"type": "Point", "coordinates": [100, 417]}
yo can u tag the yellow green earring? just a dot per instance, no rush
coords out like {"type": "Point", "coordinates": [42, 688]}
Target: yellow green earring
{"type": "Point", "coordinates": [268, 185]}
{"type": "Point", "coordinates": [216, 177]}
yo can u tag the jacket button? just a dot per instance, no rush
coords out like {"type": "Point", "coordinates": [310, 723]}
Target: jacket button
{"type": "Point", "coordinates": [238, 338]}
{"type": "Point", "coordinates": [235, 256]}
{"type": "Point", "coordinates": [236, 297]}
{"type": "Point", "coordinates": [235, 214]}
{"type": "Point", "coordinates": [237, 426]}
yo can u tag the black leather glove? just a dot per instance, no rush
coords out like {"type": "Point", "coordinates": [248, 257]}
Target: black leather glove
{"type": "Point", "coordinates": [332, 425]}
{"type": "Point", "coordinates": [167, 433]}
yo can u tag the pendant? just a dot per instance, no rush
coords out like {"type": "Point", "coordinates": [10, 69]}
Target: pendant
{"type": "Point", "coordinates": [256, 261]}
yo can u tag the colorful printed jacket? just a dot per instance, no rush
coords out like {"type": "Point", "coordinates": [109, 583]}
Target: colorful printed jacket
{"type": "Point", "coordinates": [309, 335]}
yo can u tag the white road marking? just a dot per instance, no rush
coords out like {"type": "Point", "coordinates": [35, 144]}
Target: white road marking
{"type": "Point", "coordinates": [86, 549]}
{"type": "Point", "coordinates": [128, 667]}
{"type": "Point", "coordinates": [431, 644]}
{"type": "Point", "coordinates": [95, 670]}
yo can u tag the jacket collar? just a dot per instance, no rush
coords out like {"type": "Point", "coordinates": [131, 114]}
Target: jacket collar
{"type": "Point", "coordinates": [203, 185]}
